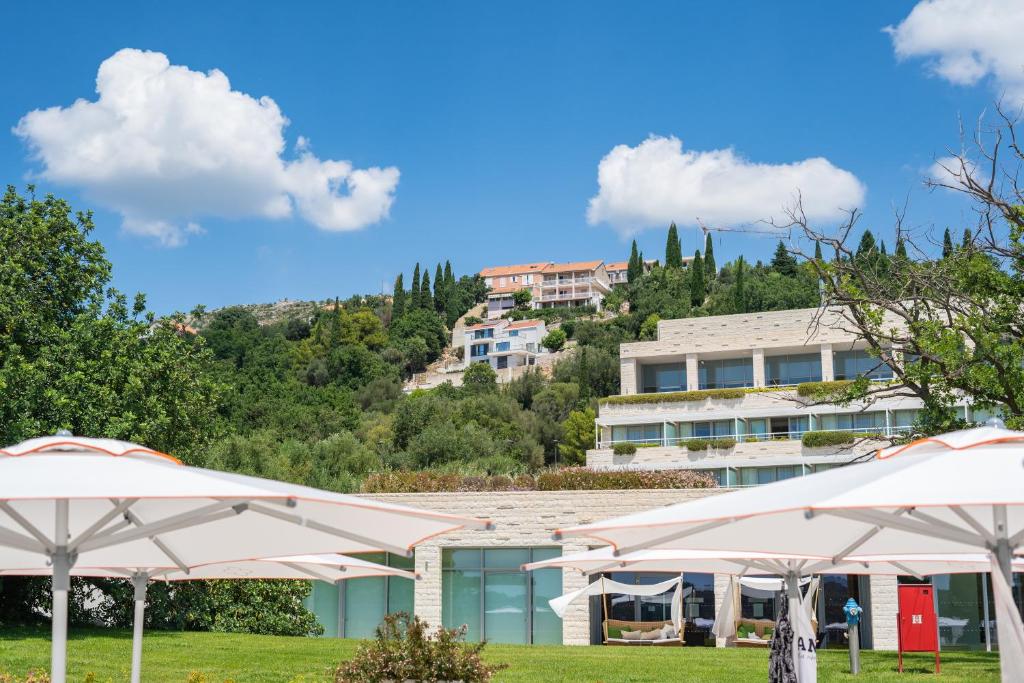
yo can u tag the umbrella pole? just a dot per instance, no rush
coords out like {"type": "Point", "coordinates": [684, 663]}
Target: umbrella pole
{"type": "Point", "coordinates": [61, 585]}
{"type": "Point", "coordinates": [793, 598]}
{"type": "Point", "coordinates": [140, 582]}
{"type": "Point", "coordinates": [1004, 556]}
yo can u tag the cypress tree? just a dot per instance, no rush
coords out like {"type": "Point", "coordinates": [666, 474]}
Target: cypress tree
{"type": "Point", "coordinates": [867, 244]}
{"type": "Point", "coordinates": [783, 262]}
{"type": "Point", "coordinates": [673, 249]}
{"type": "Point", "coordinates": [710, 269]}
{"type": "Point", "coordinates": [449, 276]}
{"type": "Point", "coordinates": [398, 299]}
{"type": "Point", "coordinates": [968, 239]}
{"type": "Point", "coordinates": [883, 251]}
{"type": "Point", "coordinates": [635, 268]}
{"type": "Point", "coordinates": [440, 296]}
{"type": "Point", "coordinates": [901, 248]}
{"type": "Point", "coordinates": [739, 291]}
{"type": "Point", "coordinates": [817, 252]}
{"type": "Point", "coordinates": [414, 294]}
{"type": "Point", "coordinates": [426, 300]}
{"type": "Point", "coordinates": [947, 244]}
{"type": "Point", "coordinates": [698, 289]}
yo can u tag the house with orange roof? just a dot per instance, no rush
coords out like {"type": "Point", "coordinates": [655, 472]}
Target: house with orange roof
{"type": "Point", "coordinates": [504, 344]}
{"type": "Point", "coordinates": [582, 283]}
{"type": "Point", "coordinates": [618, 271]}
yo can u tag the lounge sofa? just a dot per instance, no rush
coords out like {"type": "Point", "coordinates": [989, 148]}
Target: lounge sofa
{"type": "Point", "coordinates": [620, 632]}
{"type": "Point", "coordinates": [763, 628]}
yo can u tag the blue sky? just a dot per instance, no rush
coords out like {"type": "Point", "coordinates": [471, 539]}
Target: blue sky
{"type": "Point", "coordinates": [497, 116]}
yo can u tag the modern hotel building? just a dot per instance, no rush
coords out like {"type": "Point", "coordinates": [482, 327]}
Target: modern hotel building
{"type": "Point", "coordinates": [721, 395]}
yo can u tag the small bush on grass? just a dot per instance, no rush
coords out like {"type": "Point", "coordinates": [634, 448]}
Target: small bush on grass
{"type": "Point", "coordinates": [405, 650]}
{"type": "Point", "coordinates": [624, 448]}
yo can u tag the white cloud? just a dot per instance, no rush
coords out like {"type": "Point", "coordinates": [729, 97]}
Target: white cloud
{"type": "Point", "coordinates": [967, 40]}
{"type": "Point", "coordinates": [166, 146]}
{"type": "Point", "coordinates": [657, 182]}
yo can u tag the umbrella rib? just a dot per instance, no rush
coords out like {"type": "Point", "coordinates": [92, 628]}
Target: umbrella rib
{"type": "Point", "coordinates": [929, 519]}
{"type": "Point", "coordinates": [137, 521]}
{"type": "Point", "coordinates": [908, 525]}
{"type": "Point", "coordinates": [305, 570]}
{"type": "Point", "coordinates": [28, 526]}
{"type": "Point", "coordinates": [867, 536]}
{"type": "Point", "coordinates": [13, 539]}
{"type": "Point", "coordinates": [1016, 539]}
{"type": "Point", "coordinates": [312, 524]}
{"type": "Point", "coordinates": [969, 519]}
{"type": "Point", "coordinates": [674, 536]}
{"type": "Point", "coordinates": [904, 568]}
{"type": "Point", "coordinates": [203, 515]}
{"type": "Point", "coordinates": [119, 508]}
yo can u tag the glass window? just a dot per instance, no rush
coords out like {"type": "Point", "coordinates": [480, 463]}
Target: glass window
{"type": "Point", "coordinates": [727, 373]}
{"type": "Point", "coordinates": [637, 433]}
{"type": "Point", "coordinates": [513, 603]}
{"type": "Point", "coordinates": [792, 369]}
{"type": "Point", "coordinates": [748, 476]}
{"type": "Point", "coordinates": [765, 475]}
{"type": "Point", "coordinates": [502, 362]}
{"type": "Point", "coordinates": [798, 425]}
{"type": "Point", "coordinates": [854, 364]}
{"type": "Point", "coordinates": [502, 346]}
{"type": "Point", "coordinates": [478, 350]}
{"type": "Point", "coordinates": [664, 377]}
{"type": "Point", "coordinates": [368, 600]}
{"type": "Point", "coordinates": [871, 421]}
{"type": "Point", "coordinates": [757, 429]}
{"type": "Point", "coordinates": [786, 472]}
{"type": "Point", "coordinates": [323, 601]}
{"type": "Point", "coordinates": [706, 430]}
{"type": "Point", "coordinates": [513, 333]}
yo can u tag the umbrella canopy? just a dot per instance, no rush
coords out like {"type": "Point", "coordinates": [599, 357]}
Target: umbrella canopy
{"type": "Point", "coordinates": [943, 495]}
{"type": "Point", "coordinates": [957, 493]}
{"type": "Point", "coordinates": [731, 562]}
{"type": "Point", "coordinates": [106, 503]}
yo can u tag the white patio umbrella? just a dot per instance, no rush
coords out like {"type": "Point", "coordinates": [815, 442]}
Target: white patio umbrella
{"type": "Point", "coordinates": [957, 493]}
{"type": "Point", "coordinates": [101, 503]}
{"type": "Point", "coordinates": [330, 568]}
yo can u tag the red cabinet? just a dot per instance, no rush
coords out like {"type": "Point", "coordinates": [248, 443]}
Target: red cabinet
{"type": "Point", "coordinates": [917, 623]}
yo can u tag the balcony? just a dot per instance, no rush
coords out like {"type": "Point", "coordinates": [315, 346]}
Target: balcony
{"type": "Point", "coordinates": [515, 348]}
{"type": "Point", "coordinates": [564, 281]}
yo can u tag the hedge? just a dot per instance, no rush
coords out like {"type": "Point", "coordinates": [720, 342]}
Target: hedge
{"type": "Point", "coordinates": [722, 442]}
{"type": "Point", "coordinates": [624, 448]}
{"type": "Point", "coordinates": [561, 479]}
{"type": "Point", "coordinates": [830, 438]}
{"type": "Point", "coordinates": [808, 389]}
{"type": "Point", "coordinates": [671, 396]}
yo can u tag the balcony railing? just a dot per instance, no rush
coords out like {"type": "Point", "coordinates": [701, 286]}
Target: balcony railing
{"type": "Point", "coordinates": [585, 280]}
{"type": "Point", "coordinates": [884, 432]}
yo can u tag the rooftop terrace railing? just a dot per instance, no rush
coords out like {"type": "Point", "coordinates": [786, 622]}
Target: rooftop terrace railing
{"type": "Point", "coordinates": [731, 439]}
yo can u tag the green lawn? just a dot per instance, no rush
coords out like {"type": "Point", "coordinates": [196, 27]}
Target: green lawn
{"type": "Point", "coordinates": [171, 657]}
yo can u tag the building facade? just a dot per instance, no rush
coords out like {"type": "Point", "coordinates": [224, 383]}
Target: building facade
{"type": "Point", "coordinates": [504, 344]}
{"type": "Point", "coordinates": [582, 283]}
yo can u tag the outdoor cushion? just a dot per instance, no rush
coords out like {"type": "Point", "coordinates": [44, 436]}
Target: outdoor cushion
{"type": "Point", "coordinates": [668, 632]}
{"type": "Point", "coordinates": [652, 635]}
{"type": "Point", "coordinates": [631, 635]}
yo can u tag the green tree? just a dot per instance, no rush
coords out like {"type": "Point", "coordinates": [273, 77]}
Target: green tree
{"type": "Point", "coordinates": [673, 248]}
{"type": "Point", "coordinates": [901, 248]}
{"type": "Point", "coordinates": [698, 290]}
{"type": "Point", "coordinates": [968, 239]}
{"type": "Point", "coordinates": [480, 377]}
{"type": "Point", "coordinates": [635, 268]}
{"type": "Point", "coordinates": [783, 262]}
{"type": "Point", "coordinates": [415, 301]}
{"type": "Point", "coordinates": [867, 246]}
{"type": "Point", "coordinates": [947, 244]}
{"type": "Point", "coordinates": [649, 328]}
{"type": "Point", "coordinates": [817, 251]}
{"type": "Point", "coordinates": [577, 436]}
{"type": "Point", "coordinates": [710, 268]}
{"type": "Point", "coordinates": [554, 340]}
{"type": "Point", "coordinates": [521, 298]}
{"type": "Point", "coordinates": [426, 298]}
{"type": "Point", "coordinates": [449, 276]}
{"type": "Point", "coordinates": [440, 295]}
{"type": "Point", "coordinates": [398, 299]}
{"type": "Point", "coordinates": [739, 288]}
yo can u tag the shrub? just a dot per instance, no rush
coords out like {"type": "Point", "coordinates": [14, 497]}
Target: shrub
{"type": "Point", "coordinates": [480, 377]}
{"type": "Point", "coordinates": [404, 650]}
{"type": "Point", "coordinates": [721, 442]}
{"type": "Point", "coordinates": [829, 438]}
{"type": "Point", "coordinates": [559, 479]}
{"type": "Point", "coordinates": [33, 676]}
{"type": "Point", "coordinates": [624, 448]}
{"type": "Point", "coordinates": [818, 389]}
{"type": "Point", "coordinates": [583, 479]}
{"type": "Point", "coordinates": [554, 340]}
{"type": "Point", "coordinates": [671, 396]}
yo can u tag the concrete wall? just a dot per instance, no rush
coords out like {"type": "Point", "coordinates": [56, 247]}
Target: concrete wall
{"type": "Point", "coordinates": [525, 519]}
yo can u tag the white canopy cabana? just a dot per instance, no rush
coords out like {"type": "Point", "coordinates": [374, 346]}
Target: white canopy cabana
{"type": "Point", "coordinates": [605, 586]}
{"type": "Point", "coordinates": [330, 568]}
{"type": "Point", "coordinates": [67, 501]}
{"type": "Point", "coordinates": [959, 493]}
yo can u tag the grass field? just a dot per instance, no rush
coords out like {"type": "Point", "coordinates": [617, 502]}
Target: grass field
{"type": "Point", "coordinates": [172, 657]}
